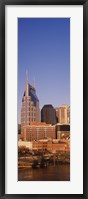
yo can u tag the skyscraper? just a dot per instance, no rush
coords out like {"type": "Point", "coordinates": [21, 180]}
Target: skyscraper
{"type": "Point", "coordinates": [30, 111]}
{"type": "Point", "coordinates": [63, 114]}
{"type": "Point", "coordinates": [68, 114]}
{"type": "Point", "coordinates": [48, 114]}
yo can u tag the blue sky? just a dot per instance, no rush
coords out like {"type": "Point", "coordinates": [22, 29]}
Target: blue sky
{"type": "Point", "coordinates": [44, 51]}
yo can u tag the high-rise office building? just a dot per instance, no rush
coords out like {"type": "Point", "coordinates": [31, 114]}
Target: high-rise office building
{"type": "Point", "coordinates": [48, 114]}
{"type": "Point", "coordinates": [57, 114]}
{"type": "Point", "coordinates": [68, 114]}
{"type": "Point", "coordinates": [63, 114]}
{"type": "Point", "coordinates": [30, 111]}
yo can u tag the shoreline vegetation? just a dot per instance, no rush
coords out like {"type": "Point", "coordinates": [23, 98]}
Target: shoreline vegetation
{"type": "Point", "coordinates": [39, 159]}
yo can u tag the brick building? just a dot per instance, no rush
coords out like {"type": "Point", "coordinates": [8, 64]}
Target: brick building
{"type": "Point", "coordinates": [50, 146]}
{"type": "Point", "coordinates": [37, 131]}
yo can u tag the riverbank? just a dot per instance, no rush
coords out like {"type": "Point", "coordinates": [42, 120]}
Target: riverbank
{"type": "Point", "coordinates": [44, 166]}
{"type": "Point", "coordinates": [43, 160]}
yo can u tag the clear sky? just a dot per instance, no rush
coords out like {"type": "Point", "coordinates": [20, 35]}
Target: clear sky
{"type": "Point", "coordinates": [44, 51]}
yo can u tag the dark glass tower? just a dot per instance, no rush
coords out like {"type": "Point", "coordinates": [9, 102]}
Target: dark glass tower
{"type": "Point", "coordinates": [48, 114]}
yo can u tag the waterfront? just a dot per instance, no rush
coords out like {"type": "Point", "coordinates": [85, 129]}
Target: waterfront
{"type": "Point", "coordinates": [60, 172]}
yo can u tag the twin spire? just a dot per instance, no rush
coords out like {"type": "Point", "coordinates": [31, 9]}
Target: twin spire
{"type": "Point", "coordinates": [27, 83]}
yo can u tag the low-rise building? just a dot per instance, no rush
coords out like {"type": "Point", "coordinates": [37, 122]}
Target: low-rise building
{"type": "Point", "coordinates": [63, 131]}
{"type": "Point", "coordinates": [26, 144]}
{"type": "Point", "coordinates": [50, 146]}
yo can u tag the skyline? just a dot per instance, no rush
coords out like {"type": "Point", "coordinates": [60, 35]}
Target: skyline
{"type": "Point", "coordinates": [44, 51]}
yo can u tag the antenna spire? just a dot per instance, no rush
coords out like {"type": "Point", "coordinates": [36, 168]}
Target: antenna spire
{"type": "Point", "coordinates": [26, 83]}
{"type": "Point", "coordinates": [34, 82]}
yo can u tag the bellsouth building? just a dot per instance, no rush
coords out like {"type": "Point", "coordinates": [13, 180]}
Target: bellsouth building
{"type": "Point", "coordinates": [30, 111]}
{"type": "Point", "coordinates": [31, 127]}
